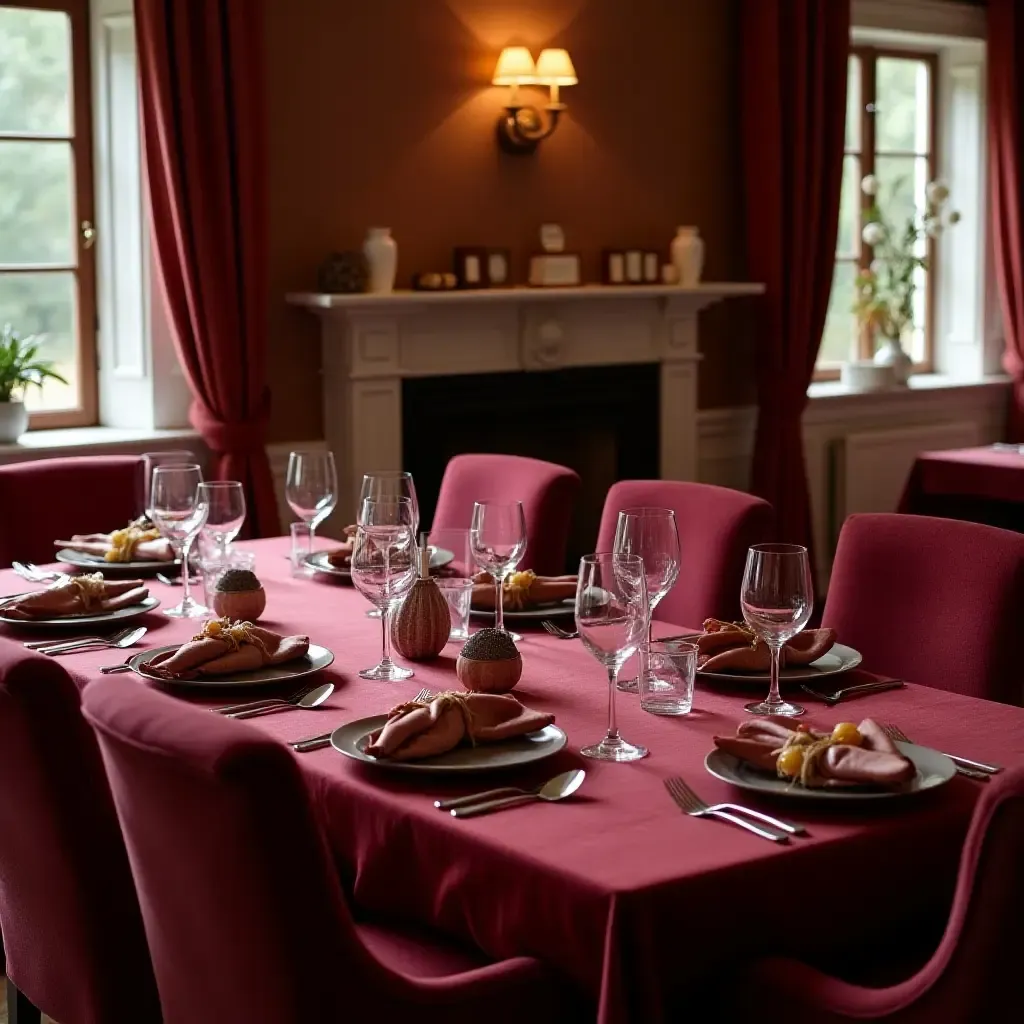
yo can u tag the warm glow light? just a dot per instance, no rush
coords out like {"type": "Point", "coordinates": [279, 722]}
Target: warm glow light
{"type": "Point", "coordinates": [554, 67]}
{"type": "Point", "coordinates": [515, 67]}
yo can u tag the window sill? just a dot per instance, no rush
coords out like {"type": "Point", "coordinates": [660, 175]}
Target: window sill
{"type": "Point", "coordinates": [929, 383]}
{"type": "Point", "coordinates": [90, 441]}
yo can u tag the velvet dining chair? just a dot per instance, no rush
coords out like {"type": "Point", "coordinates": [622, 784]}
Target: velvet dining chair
{"type": "Point", "coordinates": [50, 499]}
{"type": "Point", "coordinates": [73, 935]}
{"type": "Point", "coordinates": [935, 601]}
{"type": "Point", "coordinates": [716, 527]}
{"type": "Point", "coordinates": [244, 913]}
{"type": "Point", "coordinates": [547, 491]}
{"type": "Point", "coordinates": [973, 974]}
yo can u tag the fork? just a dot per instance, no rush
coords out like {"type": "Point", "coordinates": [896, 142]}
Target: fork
{"type": "Point", "coordinates": [324, 739]}
{"type": "Point", "coordinates": [831, 699]}
{"type": "Point", "coordinates": [267, 702]}
{"type": "Point", "coordinates": [972, 769]}
{"type": "Point", "coordinates": [555, 630]}
{"type": "Point", "coordinates": [63, 647]}
{"type": "Point", "coordinates": [691, 804]}
{"type": "Point", "coordinates": [32, 573]}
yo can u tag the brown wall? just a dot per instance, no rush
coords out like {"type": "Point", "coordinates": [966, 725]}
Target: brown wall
{"type": "Point", "coordinates": [381, 112]}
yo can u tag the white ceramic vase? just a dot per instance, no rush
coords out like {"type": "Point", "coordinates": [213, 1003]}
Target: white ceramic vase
{"type": "Point", "coordinates": [13, 421]}
{"type": "Point", "coordinates": [381, 252]}
{"type": "Point", "coordinates": [688, 256]}
{"type": "Point", "coordinates": [891, 353]}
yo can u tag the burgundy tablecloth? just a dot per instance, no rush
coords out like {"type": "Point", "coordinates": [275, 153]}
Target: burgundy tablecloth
{"type": "Point", "coordinates": [616, 887]}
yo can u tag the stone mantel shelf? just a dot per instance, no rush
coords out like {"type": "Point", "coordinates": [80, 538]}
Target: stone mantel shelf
{"type": "Point", "coordinates": [699, 295]}
{"type": "Point", "coordinates": [372, 343]}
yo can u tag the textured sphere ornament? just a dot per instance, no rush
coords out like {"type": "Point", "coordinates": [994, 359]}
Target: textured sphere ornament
{"type": "Point", "coordinates": [238, 595]}
{"type": "Point", "coordinates": [420, 627]}
{"type": "Point", "coordinates": [490, 662]}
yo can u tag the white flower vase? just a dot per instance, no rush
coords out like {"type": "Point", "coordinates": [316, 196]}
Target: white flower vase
{"type": "Point", "coordinates": [13, 421]}
{"type": "Point", "coordinates": [688, 256]}
{"type": "Point", "coordinates": [381, 252]}
{"type": "Point", "coordinates": [891, 353]}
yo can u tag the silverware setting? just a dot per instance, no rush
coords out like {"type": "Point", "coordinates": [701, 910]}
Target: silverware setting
{"type": "Point", "coordinates": [323, 739]}
{"type": "Point", "coordinates": [306, 702]}
{"type": "Point", "coordinates": [121, 666]}
{"type": "Point", "coordinates": [34, 645]}
{"type": "Point", "coordinates": [964, 765]}
{"type": "Point", "coordinates": [555, 630]}
{"type": "Point", "coordinates": [558, 788]}
{"type": "Point", "coordinates": [691, 804]}
{"type": "Point", "coordinates": [32, 573]}
{"type": "Point", "coordinates": [831, 699]}
{"type": "Point", "coordinates": [122, 639]}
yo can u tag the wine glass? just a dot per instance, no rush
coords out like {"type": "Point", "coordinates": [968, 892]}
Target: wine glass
{"type": "Point", "coordinates": [392, 484]}
{"type": "Point", "coordinates": [777, 597]}
{"type": "Point", "coordinates": [384, 569]}
{"type": "Point", "coordinates": [150, 460]}
{"type": "Point", "coordinates": [497, 538]}
{"type": "Point", "coordinates": [179, 512]}
{"type": "Point", "coordinates": [226, 499]}
{"type": "Point", "coordinates": [311, 488]}
{"type": "Point", "coordinates": [611, 616]}
{"type": "Point", "coordinates": [652, 534]}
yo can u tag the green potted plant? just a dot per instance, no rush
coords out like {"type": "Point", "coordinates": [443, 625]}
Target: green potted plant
{"type": "Point", "coordinates": [19, 368]}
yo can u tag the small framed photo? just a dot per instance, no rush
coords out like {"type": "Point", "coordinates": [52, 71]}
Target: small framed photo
{"type": "Point", "coordinates": [471, 266]}
{"type": "Point", "coordinates": [499, 264]}
{"type": "Point", "coordinates": [555, 270]}
{"type": "Point", "coordinates": [634, 266]}
{"type": "Point", "coordinates": [652, 267]}
{"type": "Point", "coordinates": [613, 266]}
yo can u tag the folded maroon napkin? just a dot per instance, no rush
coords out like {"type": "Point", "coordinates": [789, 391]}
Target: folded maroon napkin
{"type": "Point", "coordinates": [137, 542]}
{"type": "Point", "coordinates": [731, 646]}
{"type": "Point", "coordinates": [826, 761]}
{"type": "Point", "coordinates": [77, 595]}
{"type": "Point", "coordinates": [522, 590]}
{"type": "Point", "coordinates": [225, 647]}
{"type": "Point", "coordinates": [425, 729]}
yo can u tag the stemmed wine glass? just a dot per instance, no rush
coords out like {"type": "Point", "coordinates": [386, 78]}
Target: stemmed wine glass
{"type": "Point", "coordinates": [150, 460]}
{"type": "Point", "coordinates": [311, 488]}
{"type": "Point", "coordinates": [497, 538]}
{"type": "Point", "coordinates": [392, 484]}
{"type": "Point", "coordinates": [178, 511]}
{"type": "Point", "coordinates": [652, 534]}
{"type": "Point", "coordinates": [611, 616]}
{"type": "Point", "coordinates": [384, 569]}
{"type": "Point", "coordinates": [226, 499]}
{"type": "Point", "coordinates": [777, 598]}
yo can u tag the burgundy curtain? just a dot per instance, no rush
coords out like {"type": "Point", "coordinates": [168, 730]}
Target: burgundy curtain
{"type": "Point", "coordinates": [793, 96]}
{"type": "Point", "coordinates": [201, 69]}
{"type": "Point", "coordinates": [1005, 138]}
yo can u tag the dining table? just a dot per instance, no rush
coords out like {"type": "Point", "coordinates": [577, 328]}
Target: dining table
{"type": "Point", "coordinates": [633, 902]}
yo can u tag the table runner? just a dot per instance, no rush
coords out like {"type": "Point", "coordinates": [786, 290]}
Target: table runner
{"type": "Point", "coordinates": [616, 888]}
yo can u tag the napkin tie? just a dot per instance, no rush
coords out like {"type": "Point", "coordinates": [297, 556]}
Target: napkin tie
{"type": "Point", "coordinates": [444, 700]}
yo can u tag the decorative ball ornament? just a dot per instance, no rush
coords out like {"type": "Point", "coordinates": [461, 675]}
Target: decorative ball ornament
{"type": "Point", "coordinates": [238, 594]}
{"type": "Point", "coordinates": [490, 662]}
{"type": "Point", "coordinates": [420, 627]}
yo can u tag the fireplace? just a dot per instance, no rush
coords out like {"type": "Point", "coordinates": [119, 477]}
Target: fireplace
{"type": "Point", "coordinates": [601, 421]}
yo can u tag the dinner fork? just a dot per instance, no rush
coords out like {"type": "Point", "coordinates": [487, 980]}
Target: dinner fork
{"type": "Point", "coordinates": [555, 630]}
{"type": "Point", "coordinates": [324, 738]}
{"type": "Point", "coordinates": [691, 804]}
{"type": "Point", "coordinates": [65, 646]}
{"type": "Point", "coordinates": [972, 769]}
{"type": "Point", "coordinates": [266, 702]}
{"type": "Point", "coordinates": [831, 699]}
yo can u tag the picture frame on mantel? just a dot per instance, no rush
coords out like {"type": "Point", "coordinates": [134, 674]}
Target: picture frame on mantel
{"type": "Point", "coordinates": [555, 270]}
{"type": "Point", "coordinates": [470, 263]}
{"type": "Point", "coordinates": [630, 266]}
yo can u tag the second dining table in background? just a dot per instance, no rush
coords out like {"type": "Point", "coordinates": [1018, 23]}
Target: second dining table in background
{"type": "Point", "coordinates": [616, 888]}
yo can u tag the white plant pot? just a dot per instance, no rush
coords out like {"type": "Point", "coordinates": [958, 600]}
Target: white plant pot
{"type": "Point", "coordinates": [891, 353]}
{"type": "Point", "coordinates": [13, 421]}
{"type": "Point", "coordinates": [381, 252]}
{"type": "Point", "coordinates": [688, 256]}
{"type": "Point", "coordinates": [865, 376]}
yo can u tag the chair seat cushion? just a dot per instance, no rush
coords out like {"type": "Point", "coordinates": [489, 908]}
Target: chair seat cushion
{"type": "Point", "coordinates": [417, 952]}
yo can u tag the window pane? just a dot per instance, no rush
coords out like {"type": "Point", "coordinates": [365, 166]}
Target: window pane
{"type": "Point", "coordinates": [44, 305]}
{"type": "Point", "coordinates": [903, 116]}
{"type": "Point", "coordinates": [848, 243]}
{"type": "Point", "coordinates": [36, 204]}
{"type": "Point", "coordinates": [902, 181]}
{"type": "Point", "coordinates": [35, 71]}
{"type": "Point", "coordinates": [838, 343]}
{"type": "Point", "coordinates": [853, 104]}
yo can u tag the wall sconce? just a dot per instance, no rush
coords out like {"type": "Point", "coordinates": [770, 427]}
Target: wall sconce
{"type": "Point", "coordinates": [521, 127]}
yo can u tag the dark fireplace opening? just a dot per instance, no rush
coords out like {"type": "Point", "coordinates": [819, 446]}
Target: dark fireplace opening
{"type": "Point", "coordinates": [601, 421]}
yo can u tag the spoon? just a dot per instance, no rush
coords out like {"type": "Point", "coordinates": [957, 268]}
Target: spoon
{"type": "Point", "coordinates": [131, 637]}
{"type": "Point", "coordinates": [553, 790]}
{"type": "Point", "coordinates": [311, 699]}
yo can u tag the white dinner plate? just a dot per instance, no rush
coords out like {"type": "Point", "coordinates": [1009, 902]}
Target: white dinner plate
{"type": "Point", "coordinates": [933, 769]}
{"type": "Point", "coordinates": [439, 557]}
{"type": "Point", "coordinates": [558, 610]}
{"type": "Point", "coordinates": [352, 739]}
{"type": "Point", "coordinates": [77, 621]}
{"type": "Point", "coordinates": [80, 560]}
{"type": "Point", "coordinates": [838, 660]}
{"type": "Point", "coordinates": [315, 659]}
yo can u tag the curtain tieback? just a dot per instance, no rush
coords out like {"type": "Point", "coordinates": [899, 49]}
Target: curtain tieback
{"type": "Point", "coordinates": [241, 437]}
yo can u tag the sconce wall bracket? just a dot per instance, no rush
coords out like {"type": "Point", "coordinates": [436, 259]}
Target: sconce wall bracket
{"type": "Point", "coordinates": [520, 129]}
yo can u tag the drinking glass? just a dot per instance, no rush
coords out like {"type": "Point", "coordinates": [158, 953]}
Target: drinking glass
{"type": "Point", "coordinates": [226, 499]}
{"type": "Point", "coordinates": [392, 484]}
{"type": "Point", "coordinates": [384, 570]}
{"type": "Point", "coordinates": [458, 592]}
{"type": "Point", "coordinates": [311, 488]}
{"type": "Point", "coordinates": [777, 597]}
{"type": "Point", "coordinates": [611, 616]}
{"type": "Point", "coordinates": [667, 670]}
{"type": "Point", "coordinates": [497, 538]}
{"type": "Point", "coordinates": [212, 568]}
{"type": "Point", "coordinates": [302, 542]}
{"type": "Point", "coordinates": [150, 460]}
{"type": "Point", "coordinates": [652, 534]}
{"type": "Point", "coordinates": [179, 512]}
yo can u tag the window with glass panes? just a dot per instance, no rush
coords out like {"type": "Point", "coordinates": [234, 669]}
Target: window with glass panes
{"type": "Point", "coordinates": [890, 133]}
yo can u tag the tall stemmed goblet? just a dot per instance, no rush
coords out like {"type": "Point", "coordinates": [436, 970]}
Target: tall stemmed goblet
{"type": "Point", "coordinates": [497, 538]}
{"type": "Point", "coordinates": [392, 484]}
{"type": "Point", "coordinates": [777, 598]}
{"type": "Point", "coordinates": [179, 512]}
{"type": "Point", "coordinates": [226, 499]}
{"type": "Point", "coordinates": [611, 616]}
{"type": "Point", "coordinates": [150, 460]}
{"type": "Point", "coordinates": [311, 488]}
{"type": "Point", "coordinates": [652, 534]}
{"type": "Point", "coordinates": [384, 569]}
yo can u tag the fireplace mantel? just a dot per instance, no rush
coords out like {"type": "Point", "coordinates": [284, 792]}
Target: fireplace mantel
{"type": "Point", "coordinates": [372, 342]}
